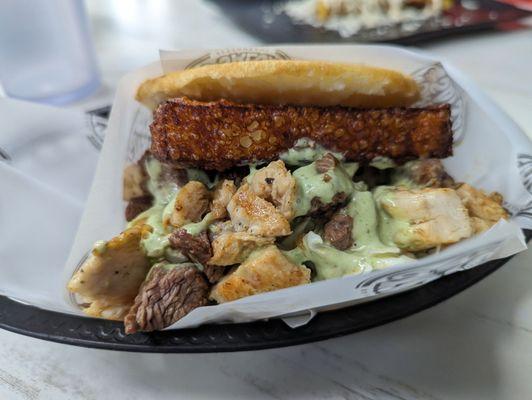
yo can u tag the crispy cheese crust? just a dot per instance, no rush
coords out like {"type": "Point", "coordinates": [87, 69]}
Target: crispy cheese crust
{"type": "Point", "coordinates": [221, 134]}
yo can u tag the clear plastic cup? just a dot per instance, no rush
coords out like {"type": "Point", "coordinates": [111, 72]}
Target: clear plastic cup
{"type": "Point", "coordinates": [46, 52]}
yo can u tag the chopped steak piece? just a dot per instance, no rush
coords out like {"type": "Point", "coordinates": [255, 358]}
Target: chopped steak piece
{"type": "Point", "coordinates": [137, 205]}
{"type": "Point", "coordinates": [213, 273]}
{"type": "Point", "coordinates": [196, 247]}
{"type": "Point", "coordinates": [220, 134]}
{"type": "Point", "coordinates": [326, 163]}
{"type": "Point", "coordinates": [167, 295]}
{"type": "Point", "coordinates": [318, 208]}
{"type": "Point", "coordinates": [338, 231]}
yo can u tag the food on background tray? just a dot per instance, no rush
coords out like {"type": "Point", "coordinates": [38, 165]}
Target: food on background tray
{"type": "Point", "coordinates": [351, 16]}
{"type": "Point", "coordinates": [272, 174]}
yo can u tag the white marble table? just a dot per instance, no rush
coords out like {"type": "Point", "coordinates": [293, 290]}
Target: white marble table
{"type": "Point", "coordinates": [477, 345]}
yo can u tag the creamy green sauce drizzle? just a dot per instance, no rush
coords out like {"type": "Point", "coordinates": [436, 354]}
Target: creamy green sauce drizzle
{"type": "Point", "coordinates": [374, 231]}
{"type": "Point", "coordinates": [392, 230]}
{"type": "Point", "coordinates": [381, 162]}
{"type": "Point", "coordinates": [310, 184]}
{"type": "Point", "coordinates": [161, 191]}
{"type": "Point", "coordinates": [367, 252]}
{"type": "Point", "coordinates": [306, 151]}
{"type": "Point", "coordinates": [195, 228]}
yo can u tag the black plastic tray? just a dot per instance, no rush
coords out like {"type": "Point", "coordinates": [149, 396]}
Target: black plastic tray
{"type": "Point", "coordinates": [251, 17]}
{"type": "Point", "coordinates": [98, 333]}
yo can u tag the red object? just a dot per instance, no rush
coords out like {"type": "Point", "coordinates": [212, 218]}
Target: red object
{"type": "Point", "coordinates": [523, 4]}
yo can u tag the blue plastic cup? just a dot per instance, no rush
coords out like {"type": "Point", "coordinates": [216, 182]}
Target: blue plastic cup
{"type": "Point", "coordinates": [46, 52]}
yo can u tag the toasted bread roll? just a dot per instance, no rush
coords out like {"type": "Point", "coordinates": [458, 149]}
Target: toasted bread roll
{"type": "Point", "coordinates": [285, 82]}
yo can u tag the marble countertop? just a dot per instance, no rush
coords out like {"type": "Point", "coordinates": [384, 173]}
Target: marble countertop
{"type": "Point", "coordinates": [477, 345]}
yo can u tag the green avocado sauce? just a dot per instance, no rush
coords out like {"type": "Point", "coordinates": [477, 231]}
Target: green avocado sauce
{"type": "Point", "coordinates": [374, 232]}
{"type": "Point", "coordinates": [306, 151]}
{"type": "Point", "coordinates": [195, 228]}
{"type": "Point", "coordinates": [381, 162]}
{"type": "Point", "coordinates": [367, 253]}
{"type": "Point", "coordinates": [393, 231]}
{"type": "Point", "coordinates": [310, 184]}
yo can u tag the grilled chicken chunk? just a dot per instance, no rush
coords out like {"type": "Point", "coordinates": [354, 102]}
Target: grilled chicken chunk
{"type": "Point", "coordinates": [275, 184]}
{"type": "Point", "coordinates": [485, 210]}
{"type": "Point", "coordinates": [191, 203]}
{"type": "Point", "coordinates": [110, 278]}
{"type": "Point", "coordinates": [249, 213]}
{"type": "Point", "coordinates": [231, 248]}
{"type": "Point", "coordinates": [264, 270]}
{"type": "Point", "coordinates": [221, 197]}
{"type": "Point", "coordinates": [421, 219]}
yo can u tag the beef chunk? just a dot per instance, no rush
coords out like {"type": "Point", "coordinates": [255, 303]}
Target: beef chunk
{"type": "Point", "coordinates": [318, 208]}
{"type": "Point", "coordinates": [138, 205]}
{"type": "Point", "coordinates": [165, 297]}
{"type": "Point", "coordinates": [326, 163]}
{"type": "Point", "coordinates": [338, 231]}
{"type": "Point", "coordinates": [196, 247]}
{"type": "Point", "coordinates": [213, 273]}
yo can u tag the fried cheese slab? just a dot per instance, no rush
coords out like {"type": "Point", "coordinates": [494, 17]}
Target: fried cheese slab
{"type": "Point", "coordinates": [219, 135]}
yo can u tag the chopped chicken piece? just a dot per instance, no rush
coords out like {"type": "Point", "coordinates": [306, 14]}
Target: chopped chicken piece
{"type": "Point", "coordinates": [191, 203]}
{"type": "Point", "coordinates": [257, 216]}
{"type": "Point", "coordinates": [223, 193]}
{"type": "Point", "coordinates": [421, 219]}
{"type": "Point", "coordinates": [110, 278]}
{"type": "Point", "coordinates": [275, 184]}
{"type": "Point", "coordinates": [234, 247]}
{"type": "Point", "coordinates": [134, 180]}
{"type": "Point", "coordinates": [485, 210]}
{"type": "Point", "coordinates": [265, 270]}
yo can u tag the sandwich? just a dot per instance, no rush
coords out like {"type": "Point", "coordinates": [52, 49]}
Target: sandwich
{"type": "Point", "coordinates": [349, 17]}
{"type": "Point", "coordinates": [265, 175]}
